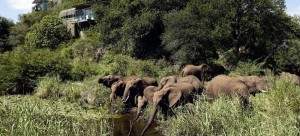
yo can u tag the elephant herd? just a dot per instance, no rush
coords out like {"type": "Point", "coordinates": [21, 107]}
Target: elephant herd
{"type": "Point", "coordinates": [172, 91]}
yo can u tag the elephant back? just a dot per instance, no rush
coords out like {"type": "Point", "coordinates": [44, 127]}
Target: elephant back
{"type": "Point", "coordinates": [191, 79]}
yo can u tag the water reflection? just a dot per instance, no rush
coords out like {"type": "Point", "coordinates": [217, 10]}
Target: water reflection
{"type": "Point", "coordinates": [121, 126]}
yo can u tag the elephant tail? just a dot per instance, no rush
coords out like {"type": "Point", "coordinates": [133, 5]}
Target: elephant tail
{"type": "Point", "coordinates": [151, 118]}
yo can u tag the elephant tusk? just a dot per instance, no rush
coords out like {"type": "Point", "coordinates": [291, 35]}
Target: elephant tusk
{"type": "Point", "coordinates": [125, 100]}
{"type": "Point", "coordinates": [263, 91]}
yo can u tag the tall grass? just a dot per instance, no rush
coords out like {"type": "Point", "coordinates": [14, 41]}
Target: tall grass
{"type": "Point", "coordinates": [274, 113]}
{"type": "Point", "coordinates": [30, 116]}
{"type": "Point", "coordinates": [84, 92]}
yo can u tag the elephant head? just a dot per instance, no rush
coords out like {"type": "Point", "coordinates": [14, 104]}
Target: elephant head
{"type": "Point", "coordinates": [109, 80]}
{"type": "Point", "coordinates": [117, 89]}
{"type": "Point", "coordinates": [255, 84]}
{"type": "Point", "coordinates": [136, 86]}
{"type": "Point", "coordinates": [132, 88]}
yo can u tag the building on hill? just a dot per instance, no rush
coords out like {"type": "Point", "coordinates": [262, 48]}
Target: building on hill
{"type": "Point", "coordinates": [43, 5]}
{"type": "Point", "coordinates": [78, 18]}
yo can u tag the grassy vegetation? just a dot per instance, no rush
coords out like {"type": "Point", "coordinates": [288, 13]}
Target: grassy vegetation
{"type": "Point", "coordinates": [147, 38]}
{"type": "Point", "coordinates": [28, 116]}
{"type": "Point", "coordinates": [274, 113]}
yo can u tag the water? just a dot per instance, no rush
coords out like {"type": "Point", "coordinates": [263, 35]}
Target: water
{"type": "Point", "coordinates": [121, 126]}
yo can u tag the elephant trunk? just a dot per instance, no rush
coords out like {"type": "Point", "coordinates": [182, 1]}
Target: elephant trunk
{"type": "Point", "coordinates": [151, 118]}
{"type": "Point", "coordinates": [126, 94]}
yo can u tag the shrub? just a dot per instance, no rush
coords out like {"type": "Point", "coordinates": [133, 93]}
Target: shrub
{"type": "Point", "coordinates": [126, 66]}
{"type": "Point", "coordinates": [88, 93]}
{"type": "Point", "coordinates": [48, 87]}
{"type": "Point", "coordinates": [24, 67]}
{"type": "Point", "coordinates": [83, 68]}
{"type": "Point", "coordinates": [288, 58]}
{"type": "Point", "coordinates": [248, 69]}
{"type": "Point", "coordinates": [10, 71]}
{"type": "Point", "coordinates": [49, 33]}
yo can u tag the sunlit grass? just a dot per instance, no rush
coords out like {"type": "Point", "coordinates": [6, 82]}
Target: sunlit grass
{"type": "Point", "coordinates": [29, 116]}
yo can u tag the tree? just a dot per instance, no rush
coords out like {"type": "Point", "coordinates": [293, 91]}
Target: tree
{"type": "Point", "coordinates": [288, 57]}
{"type": "Point", "coordinates": [18, 31]}
{"type": "Point", "coordinates": [5, 26]}
{"type": "Point", "coordinates": [49, 33]}
{"type": "Point", "coordinates": [192, 34]}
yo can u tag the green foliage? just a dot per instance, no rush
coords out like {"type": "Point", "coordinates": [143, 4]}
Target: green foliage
{"type": "Point", "coordinates": [131, 27]}
{"type": "Point", "coordinates": [192, 34]}
{"type": "Point", "coordinates": [248, 69]}
{"type": "Point", "coordinates": [33, 116]}
{"type": "Point", "coordinates": [5, 25]}
{"type": "Point", "coordinates": [288, 58]}
{"type": "Point", "coordinates": [49, 33]}
{"type": "Point", "coordinates": [82, 68]}
{"type": "Point", "coordinates": [10, 71]}
{"type": "Point", "coordinates": [126, 66]}
{"type": "Point", "coordinates": [21, 68]}
{"type": "Point", "coordinates": [274, 113]}
{"type": "Point", "coordinates": [48, 87]}
{"type": "Point", "coordinates": [53, 88]}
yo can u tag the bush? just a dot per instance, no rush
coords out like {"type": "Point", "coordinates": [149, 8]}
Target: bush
{"type": "Point", "coordinates": [48, 87]}
{"type": "Point", "coordinates": [288, 58]}
{"type": "Point", "coordinates": [274, 113]}
{"type": "Point", "coordinates": [49, 33]}
{"type": "Point", "coordinates": [24, 67]}
{"type": "Point", "coordinates": [248, 69]}
{"type": "Point", "coordinates": [83, 68]}
{"type": "Point", "coordinates": [126, 66]}
{"type": "Point", "coordinates": [87, 92]}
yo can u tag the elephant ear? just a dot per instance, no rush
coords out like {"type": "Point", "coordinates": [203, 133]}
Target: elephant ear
{"type": "Point", "coordinates": [174, 97]}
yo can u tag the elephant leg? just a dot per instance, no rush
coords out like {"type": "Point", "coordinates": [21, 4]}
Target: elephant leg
{"type": "Point", "coordinates": [245, 102]}
{"type": "Point", "coordinates": [141, 104]}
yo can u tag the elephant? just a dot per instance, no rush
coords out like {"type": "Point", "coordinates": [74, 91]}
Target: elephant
{"type": "Point", "coordinates": [198, 71]}
{"type": "Point", "coordinates": [172, 96]}
{"type": "Point", "coordinates": [109, 80]}
{"type": "Point", "coordinates": [242, 86]}
{"type": "Point", "coordinates": [166, 81]}
{"type": "Point", "coordinates": [204, 71]}
{"type": "Point", "coordinates": [118, 87]}
{"type": "Point", "coordinates": [147, 95]}
{"type": "Point", "coordinates": [136, 86]}
{"type": "Point", "coordinates": [293, 78]}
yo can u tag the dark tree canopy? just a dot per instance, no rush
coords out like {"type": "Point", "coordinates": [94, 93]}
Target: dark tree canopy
{"type": "Point", "coordinates": [5, 26]}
